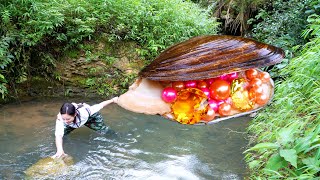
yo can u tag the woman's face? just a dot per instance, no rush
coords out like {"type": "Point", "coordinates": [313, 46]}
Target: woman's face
{"type": "Point", "coordinates": [68, 119]}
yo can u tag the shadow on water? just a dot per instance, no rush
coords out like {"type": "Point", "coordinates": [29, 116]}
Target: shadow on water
{"type": "Point", "coordinates": [142, 147]}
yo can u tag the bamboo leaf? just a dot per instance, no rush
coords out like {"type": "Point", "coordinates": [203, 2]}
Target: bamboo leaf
{"type": "Point", "coordinates": [261, 146]}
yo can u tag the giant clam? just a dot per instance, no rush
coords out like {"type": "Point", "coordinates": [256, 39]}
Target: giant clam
{"type": "Point", "coordinates": [199, 59]}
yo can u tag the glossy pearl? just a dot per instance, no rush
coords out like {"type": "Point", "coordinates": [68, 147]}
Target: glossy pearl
{"type": "Point", "coordinates": [169, 94]}
{"type": "Point", "coordinates": [210, 115]}
{"type": "Point", "coordinates": [264, 76]}
{"type": "Point", "coordinates": [178, 85]}
{"type": "Point", "coordinates": [213, 104]}
{"type": "Point", "coordinates": [206, 91]}
{"type": "Point", "coordinates": [220, 89]}
{"type": "Point", "coordinates": [233, 76]}
{"type": "Point", "coordinates": [202, 84]}
{"type": "Point", "coordinates": [252, 73]}
{"type": "Point", "coordinates": [190, 84]}
{"type": "Point", "coordinates": [224, 109]}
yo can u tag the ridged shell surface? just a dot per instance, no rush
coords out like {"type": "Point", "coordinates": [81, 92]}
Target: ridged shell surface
{"type": "Point", "coordinates": [205, 57]}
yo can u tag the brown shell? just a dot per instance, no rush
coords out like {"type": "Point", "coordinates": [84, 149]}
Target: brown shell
{"type": "Point", "coordinates": [205, 57]}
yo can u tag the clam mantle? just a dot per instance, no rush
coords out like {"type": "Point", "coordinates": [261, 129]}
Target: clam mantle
{"type": "Point", "coordinates": [204, 60]}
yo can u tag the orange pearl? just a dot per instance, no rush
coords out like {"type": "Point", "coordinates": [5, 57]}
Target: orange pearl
{"type": "Point", "coordinates": [264, 76]}
{"type": "Point", "coordinates": [254, 91]}
{"type": "Point", "coordinates": [202, 84]}
{"type": "Point", "coordinates": [255, 82]}
{"type": "Point", "coordinates": [210, 115]}
{"type": "Point", "coordinates": [224, 109]}
{"type": "Point", "coordinates": [252, 73]}
{"type": "Point", "coordinates": [262, 99]}
{"type": "Point", "coordinates": [220, 89]}
{"type": "Point", "coordinates": [178, 85]}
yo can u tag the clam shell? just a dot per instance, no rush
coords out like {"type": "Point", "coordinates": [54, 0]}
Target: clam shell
{"type": "Point", "coordinates": [204, 57]}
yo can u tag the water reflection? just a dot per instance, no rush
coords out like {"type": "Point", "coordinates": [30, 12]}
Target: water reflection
{"type": "Point", "coordinates": [142, 147]}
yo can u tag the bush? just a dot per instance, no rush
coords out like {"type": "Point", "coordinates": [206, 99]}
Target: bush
{"type": "Point", "coordinates": [280, 24]}
{"type": "Point", "coordinates": [34, 33]}
{"type": "Point", "coordinates": [288, 131]}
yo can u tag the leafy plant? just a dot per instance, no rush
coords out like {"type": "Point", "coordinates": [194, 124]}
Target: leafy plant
{"type": "Point", "coordinates": [282, 25]}
{"type": "Point", "coordinates": [155, 25]}
{"type": "Point", "coordinates": [34, 34]}
{"type": "Point", "coordinates": [288, 132]}
{"type": "Point", "coordinates": [236, 14]}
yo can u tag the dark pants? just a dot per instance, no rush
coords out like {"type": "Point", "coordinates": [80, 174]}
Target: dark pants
{"type": "Point", "coordinates": [94, 122]}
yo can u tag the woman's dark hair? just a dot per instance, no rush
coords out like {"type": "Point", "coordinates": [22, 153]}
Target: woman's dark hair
{"type": "Point", "coordinates": [68, 108]}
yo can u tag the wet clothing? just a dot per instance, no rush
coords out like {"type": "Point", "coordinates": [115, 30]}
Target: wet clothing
{"type": "Point", "coordinates": [86, 115]}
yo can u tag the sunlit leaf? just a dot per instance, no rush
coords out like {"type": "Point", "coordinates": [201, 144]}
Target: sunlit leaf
{"type": "Point", "coordinates": [253, 164]}
{"type": "Point", "coordinates": [276, 162]}
{"type": "Point", "coordinates": [286, 134]}
{"type": "Point", "coordinates": [289, 155]}
{"type": "Point", "coordinates": [312, 163]}
{"type": "Point", "coordinates": [263, 146]}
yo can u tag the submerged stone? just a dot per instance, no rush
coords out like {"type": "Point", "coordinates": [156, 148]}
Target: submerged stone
{"type": "Point", "coordinates": [49, 167]}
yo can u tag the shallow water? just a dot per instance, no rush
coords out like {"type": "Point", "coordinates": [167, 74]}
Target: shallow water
{"type": "Point", "coordinates": [143, 147]}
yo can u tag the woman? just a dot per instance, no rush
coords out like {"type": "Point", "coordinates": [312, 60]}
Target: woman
{"type": "Point", "coordinates": [73, 116]}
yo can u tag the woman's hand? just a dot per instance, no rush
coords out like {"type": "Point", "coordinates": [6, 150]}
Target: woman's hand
{"type": "Point", "coordinates": [59, 154]}
{"type": "Point", "coordinates": [115, 99]}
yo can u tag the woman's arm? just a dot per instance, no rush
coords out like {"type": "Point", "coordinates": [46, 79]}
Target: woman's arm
{"type": "Point", "coordinates": [59, 131]}
{"type": "Point", "coordinates": [59, 142]}
{"type": "Point", "coordinates": [97, 107]}
{"type": "Point", "coordinates": [107, 102]}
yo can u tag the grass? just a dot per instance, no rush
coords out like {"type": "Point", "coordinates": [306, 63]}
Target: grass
{"type": "Point", "coordinates": [286, 134]}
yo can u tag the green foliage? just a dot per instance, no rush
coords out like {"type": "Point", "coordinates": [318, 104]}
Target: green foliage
{"type": "Point", "coordinates": [110, 83]}
{"type": "Point", "coordinates": [234, 14]}
{"type": "Point", "coordinates": [283, 24]}
{"type": "Point", "coordinates": [280, 23]}
{"type": "Point", "coordinates": [158, 24]}
{"type": "Point", "coordinates": [237, 13]}
{"type": "Point", "coordinates": [313, 27]}
{"type": "Point", "coordinates": [35, 33]}
{"type": "Point", "coordinates": [288, 132]}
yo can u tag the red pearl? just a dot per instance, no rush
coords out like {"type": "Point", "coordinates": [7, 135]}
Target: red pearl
{"type": "Point", "coordinates": [255, 82]}
{"type": "Point", "coordinates": [262, 99]}
{"type": "Point", "coordinates": [202, 84]}
{"type": "Point", "coordinates": [220, 89]}
{"type": "Point", "coordinates": [169, 94]}
{"type": "Point", "coordinates": [252, 73]}
{"type": "Point", "coordinates": [178, 85]}
{"type": "Point", "coordinates": [190, 84]}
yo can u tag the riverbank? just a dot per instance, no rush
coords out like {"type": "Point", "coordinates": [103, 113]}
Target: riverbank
{"type": "Point", "coordinates": [286, 134]}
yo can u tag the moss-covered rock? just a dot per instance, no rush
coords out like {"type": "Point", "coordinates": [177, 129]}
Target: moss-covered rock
{"type": "Point", "coordinates": [48, 166]}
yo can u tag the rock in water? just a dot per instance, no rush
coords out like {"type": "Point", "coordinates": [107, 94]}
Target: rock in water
{"type": "Point", "coordinates": [49, 167]}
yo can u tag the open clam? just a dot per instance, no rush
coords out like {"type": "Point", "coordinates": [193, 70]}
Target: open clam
{"type": "Point", "coordinates": [216, 61]}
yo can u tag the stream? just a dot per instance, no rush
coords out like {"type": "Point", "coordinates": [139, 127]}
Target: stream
{"type": "Point", "coordinates": [141, 147]}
